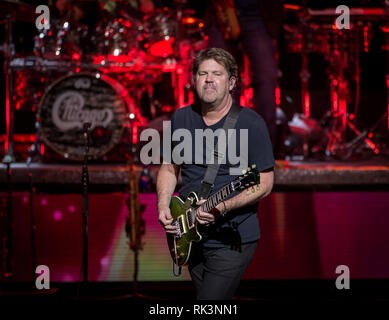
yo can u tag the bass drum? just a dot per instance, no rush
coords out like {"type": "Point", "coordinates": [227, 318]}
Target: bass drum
{"type": "Point", "coordinates": [79, 98]}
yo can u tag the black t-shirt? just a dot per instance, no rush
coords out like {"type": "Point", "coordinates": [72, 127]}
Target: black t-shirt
{"type": "Point", "coordinates": [238, 226]}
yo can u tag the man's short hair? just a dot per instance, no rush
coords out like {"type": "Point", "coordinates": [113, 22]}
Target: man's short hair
{"type": "Point", "coordinates": [221, 56]}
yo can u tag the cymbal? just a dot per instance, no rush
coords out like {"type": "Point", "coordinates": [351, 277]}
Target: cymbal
{"type": "Point", "coordinates": [20, 11]}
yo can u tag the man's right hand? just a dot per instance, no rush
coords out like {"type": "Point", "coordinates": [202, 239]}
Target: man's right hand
{"type": "Point", "coordinates": [166, 219]}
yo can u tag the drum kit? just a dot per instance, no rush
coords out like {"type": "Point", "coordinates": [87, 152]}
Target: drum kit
{"type": "Point", "coordinates": [316, 31]}
{"type": "Point", "coordinates": [101, 74]}
{"type": "Point", "coordinates": [109, 74]}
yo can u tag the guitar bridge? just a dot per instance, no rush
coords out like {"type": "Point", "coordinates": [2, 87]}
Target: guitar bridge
{"type": "Point", "coordinates": [181, 228]}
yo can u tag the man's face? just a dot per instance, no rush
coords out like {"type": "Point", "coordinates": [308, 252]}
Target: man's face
{"type": "Point", "coordinates": [212, 82]}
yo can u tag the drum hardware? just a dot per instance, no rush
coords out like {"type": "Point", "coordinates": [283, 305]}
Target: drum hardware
{"type": "Point", "coordinates": [304, 137]}
{"type": "Point", "coordinates": [361, 140]}
{"type": "Point", "coordinates": [64, 40]}
{"type": "Point", "coordinates": [161, 30]}
{"type": "Point", "coordinates": [316, 32]}
{"type": "Point", "coordinates": [304, 74]}
{"type": "Point", "coordinates": [356, 14]}
{"type": "Point", "coordinates": [338, 62]}
{"type": "Point", "coordinates": [385, 29]}
{"type": "Point", "coordinates": [117, 40]}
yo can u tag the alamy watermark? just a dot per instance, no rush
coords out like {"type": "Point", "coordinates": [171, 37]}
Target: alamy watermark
{"type": "Point", "coordinates": [183, 151]}
{"type": "Point", "coordinates": [342, 281]}
{"type": "Point", "coordinates": [343, 20]}
{"type": "Point", "coordinates": [43, 279]}
{"type": "Point", "coordinates": [43, 20]}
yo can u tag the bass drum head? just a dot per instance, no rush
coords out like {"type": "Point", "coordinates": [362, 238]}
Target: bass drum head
{"type": "Point", "coordinates": [76, 99]}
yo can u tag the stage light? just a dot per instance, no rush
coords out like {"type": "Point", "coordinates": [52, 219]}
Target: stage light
{"type": "Point", "coordinates": [76, 56]}
{"type": "Point", "coordinates": [57, 215]}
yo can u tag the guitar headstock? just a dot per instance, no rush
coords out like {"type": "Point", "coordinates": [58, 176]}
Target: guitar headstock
{"type": "Point", "coordinates": [248, 178]}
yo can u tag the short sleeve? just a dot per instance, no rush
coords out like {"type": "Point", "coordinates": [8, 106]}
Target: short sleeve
{"type": "Point", "coordinates": [260, 147]}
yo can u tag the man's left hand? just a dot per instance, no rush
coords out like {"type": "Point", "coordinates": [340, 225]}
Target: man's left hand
{"type": "Point", "coordinates": [207, 218]}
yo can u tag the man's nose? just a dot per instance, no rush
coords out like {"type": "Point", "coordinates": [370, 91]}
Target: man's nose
{"type": "Point", "coordinates": [209, 77]}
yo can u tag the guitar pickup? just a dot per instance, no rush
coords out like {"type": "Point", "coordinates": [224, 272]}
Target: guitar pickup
{"type": "Point", "coordinates": [190, 218]}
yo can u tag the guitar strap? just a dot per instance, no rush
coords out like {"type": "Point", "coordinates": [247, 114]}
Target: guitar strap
{"type": "Point", "coordinates": [210, 174]}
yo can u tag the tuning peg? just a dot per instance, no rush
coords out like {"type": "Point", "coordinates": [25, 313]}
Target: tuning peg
{"type": "Point", "coordinates": [253, 166]}
{"type": "Point", "coordinates": [248, 192]}
{"type": "Point", "coordinates": [244, 171]}
{"type": "Point", "coordinates": [257, 186]}
{"type": "Point", "coordinates": [248, 169]}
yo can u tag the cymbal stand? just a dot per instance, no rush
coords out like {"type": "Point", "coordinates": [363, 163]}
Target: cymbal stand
{"type": "Point", "coordinates": [304, 73]}
{"type": "Point", "coordinates": [385, 29]}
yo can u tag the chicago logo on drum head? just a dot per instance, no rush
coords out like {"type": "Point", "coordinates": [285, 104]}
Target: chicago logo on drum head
{"type": "Point", "coordinates": [68, 113]}
{"type": "Point", "coordinates": [73, 100]}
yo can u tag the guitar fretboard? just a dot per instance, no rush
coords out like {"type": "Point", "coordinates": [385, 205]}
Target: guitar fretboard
{"type": "Point", "coordinates": [211, 203]}
{"type": "Point", "coordinates": [216, 198]}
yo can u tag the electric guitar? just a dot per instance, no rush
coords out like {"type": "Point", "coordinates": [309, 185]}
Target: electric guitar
{"type": "Point", "coordinates": [184, 214]}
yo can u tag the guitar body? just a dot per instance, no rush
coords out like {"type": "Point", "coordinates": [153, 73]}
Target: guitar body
{"type": "Point", "coordinates": [184, 214]}
{"type": "Point", "coordinates": [182, 245]}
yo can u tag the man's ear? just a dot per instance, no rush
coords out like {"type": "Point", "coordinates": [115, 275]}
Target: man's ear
{"type": "Point", "coordinates": [232, 83]}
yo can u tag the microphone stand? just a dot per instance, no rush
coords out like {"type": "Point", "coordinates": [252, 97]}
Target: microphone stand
{"type": "Point", "coordinates": [9, 92]}
{"type": "Point", "coordinates": [85, 185]}
{"type": "Point", "coordinates": [8, 234]}
{"type": "Point", "coordinates": [9, 158]}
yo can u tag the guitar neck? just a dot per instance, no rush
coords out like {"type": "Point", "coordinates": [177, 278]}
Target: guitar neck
{"type": "Point", "coordinates": [250, 177]}
{"type": "Point", "coordinates": [218, 197]}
